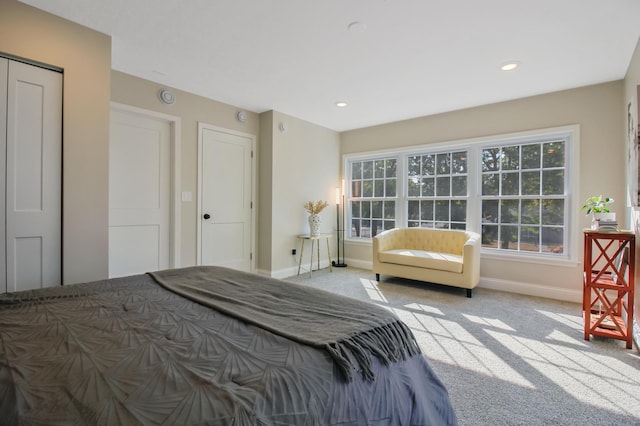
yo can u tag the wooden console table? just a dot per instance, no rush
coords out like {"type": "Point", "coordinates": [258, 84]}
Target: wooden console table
{"type": "Point", "coordinates": [609, 280]}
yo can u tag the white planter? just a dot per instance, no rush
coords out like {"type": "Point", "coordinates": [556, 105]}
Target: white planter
{"type": "Point", "coordinates": [596, 218]}
{"type": "Point", "coordinates": [314, 225]}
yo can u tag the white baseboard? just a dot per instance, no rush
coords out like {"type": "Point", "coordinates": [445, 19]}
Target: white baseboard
{"type": "Point", "coordinates": [530, 289]}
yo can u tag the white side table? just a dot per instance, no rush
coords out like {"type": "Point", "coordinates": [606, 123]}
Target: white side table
{"type": "Point", "coordinates": [314, 241]}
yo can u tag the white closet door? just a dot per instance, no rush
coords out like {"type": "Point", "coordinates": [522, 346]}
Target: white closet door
{"type": "Point", "coordinates": [33, 177]}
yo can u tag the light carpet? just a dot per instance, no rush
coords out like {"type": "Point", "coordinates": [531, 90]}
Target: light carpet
{"type": "Point", "coordinates": [506, 359]}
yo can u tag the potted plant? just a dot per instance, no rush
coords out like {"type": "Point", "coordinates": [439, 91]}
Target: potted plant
{"type": "Point", "coordinates": [597, 207]}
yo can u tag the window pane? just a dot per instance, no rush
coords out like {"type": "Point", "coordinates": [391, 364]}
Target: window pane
{"type": "Point", "coordinates": [376, 209]}
{"type": "Point", "coordinates": [367, 169]}
{"type": "Point", "coordinates": [510, 184]}
{"type": "Point", "coordinates": [413, 189]}
{"type": "Point", "coordinates": [460, 226]}
{"type": "Point", "coordinates": [509, 211]}
{"type": "Point", "coordinates": [490, 236]}
{"type": "Point", "coordinates": [366, 209]}
{"type": "Point", "coordinates": [428, 187]}
{"type": "Point", "coordinates": [426, 209]}
{"type": "Point", "coordinates": [553, 182]}
{"type": "Point", "coordinates": [490, 211]}
{"type": "Point", "coordinates": [389, 224]}
{"type": "Point", "coordinates": [511, 158]}
{"type": "Point", "coordinates": [531, 183]}
{"type": "Point", "coordinates": [389, 209]}
{"type": "Point", "coordinates": [428, 165]}
{"type": "Point", "coordinates": [356, 189]}
{"type": "Point", "coordinates": [355, 209]}
{"type": "Point", "coordinates": [459, 185]}
{"type": "Point", "coordinates": [490, 184]}
{"type": "Point", "coordinates": [459, 162]}
{"type": "Point", "coordinates": [530, 212]}
{"type": "Point", "coordinates": [378, 186]}
{"type": "Point", "coordinates": [459, 211]}
{"type": "Point", "coordinates": [376, 227]}
{"type": "Point", "coordinates": [390, 187]}
{"type": "Point", "coordinates": [365, 228]}
{"type": "Point", "coordinates": [414, 165]}
{"type": "Point", "coordinates": [413, 224]}
{"type": "Point", "coordinates": [553, 154]}
{"type": "Point", "coordinates": [378, 171]}
{"type": "Point", "coordinates": [442, 211]}
{"type": "Point", "coordinates": [443, 186]}
{"type": "Point", "coordinates": [530, 238]}
{"type": "Point", "coordinates": [490, 159]}
{"type": "Point", "coordinates": [531, 156]}
{"type": "Point", "coordinates": [413, 210]}
{"type": "Point", "coordinates": [552, 240]}
{"type": "Point", "coordinates": [367, 188]}
{"type": "Point", "coordinates": [509, 237]}
{"type": "Point", "coordinates": [356, 170]}
{"type": "Point", "coordinates": [444, 164]}
{"type": "Point", "coordinates": [355, 228]}
{"type": "Point", "coordinates": [391, 167]}
{"type": "Point", "coordinates": [553, 212]}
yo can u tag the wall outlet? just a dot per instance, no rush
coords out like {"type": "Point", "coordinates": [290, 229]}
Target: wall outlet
{"type": "Point", "coordinates": [293, 252]}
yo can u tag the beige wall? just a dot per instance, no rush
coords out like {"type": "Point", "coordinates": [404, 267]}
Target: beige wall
{"type": "Point", "coordinates": [85, 57]}
{"type": "Point", "coordinates": [596, 109]}
{"type": "Point", "coordinates": [304, 167]}
{"type": "Point", "coordinates": [190, 109]}
{"type": "Point", "coordinates": [631, 85]}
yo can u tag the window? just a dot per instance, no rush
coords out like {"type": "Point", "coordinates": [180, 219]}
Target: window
{"type": "Point", "coordinates": [513, 190]}
{"type": "Point", "coordinates": [437, 190]}
{"type": "Point", "coordinates": [373, 196]}
{"type": "Point", "coordinates": [523, 197]}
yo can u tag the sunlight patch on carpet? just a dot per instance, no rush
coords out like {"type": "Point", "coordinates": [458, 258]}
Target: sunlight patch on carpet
{"type": "Point", "coordinates": [572, 368]}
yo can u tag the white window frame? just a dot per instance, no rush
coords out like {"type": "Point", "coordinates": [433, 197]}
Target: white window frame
{"type": "Point", "coordinates": [570, 134]}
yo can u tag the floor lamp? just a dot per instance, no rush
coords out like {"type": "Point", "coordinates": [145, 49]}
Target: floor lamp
{"type": "Point", "coordinates": [338, 263]}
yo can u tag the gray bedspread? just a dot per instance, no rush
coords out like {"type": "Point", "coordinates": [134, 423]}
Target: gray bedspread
{"type": "Point", "coordinates": [351, 331]}
{"type": "Point", "coordinates": [128, 351]}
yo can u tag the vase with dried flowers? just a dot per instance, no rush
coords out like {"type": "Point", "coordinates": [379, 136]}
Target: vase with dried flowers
{"type": "Point", "coordinates": [314, 210]}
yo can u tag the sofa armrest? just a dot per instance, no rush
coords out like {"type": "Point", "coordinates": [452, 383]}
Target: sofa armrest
{"type": "Point", "coordinates": [385, 240]}
{"type": "Point", "coordinates": [471, 256]}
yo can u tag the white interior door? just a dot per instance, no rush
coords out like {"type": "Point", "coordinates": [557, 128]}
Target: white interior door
{"type": "Point", "coordinates": [225, 199]}
{"type": "Point", "coordinates": [33, 187]}
{"type": "Point", "coordinates": [139, 193]}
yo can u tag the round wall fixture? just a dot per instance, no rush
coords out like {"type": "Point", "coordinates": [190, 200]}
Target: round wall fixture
{"type": "Point", "coordinates": [241, 116]}
{"type": "Point", "coordinates": [283, 128]}
{"type": "Point", "coordinates": [166, 97]}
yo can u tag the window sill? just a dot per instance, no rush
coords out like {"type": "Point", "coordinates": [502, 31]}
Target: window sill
{"type": "Point", "coordinates": [528, 258]}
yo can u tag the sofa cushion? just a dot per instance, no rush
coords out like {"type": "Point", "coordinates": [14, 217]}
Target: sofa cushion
{"type": "Point", "coordinates": [423, 259]}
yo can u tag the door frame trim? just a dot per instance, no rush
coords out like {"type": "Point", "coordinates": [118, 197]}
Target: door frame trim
{"type": "Point", "coordinates": [174, 190]}
{"type": "Point", "coordinates": [254, 181]}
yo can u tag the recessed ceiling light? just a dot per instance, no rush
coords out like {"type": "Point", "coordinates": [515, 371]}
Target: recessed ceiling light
{"type": "Point", "coordinates": [509, 66]}
{"type": "Point", "coordinates": [341, 104]}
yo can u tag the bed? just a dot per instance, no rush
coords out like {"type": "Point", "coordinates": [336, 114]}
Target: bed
{"type": "Point", "coordinates": [209, 345]}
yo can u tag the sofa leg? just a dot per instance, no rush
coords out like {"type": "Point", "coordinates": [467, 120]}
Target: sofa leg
{"type": "Point", "coordinates": [469, 292]}
{"type": "Point", "coordinates": [378, 277]}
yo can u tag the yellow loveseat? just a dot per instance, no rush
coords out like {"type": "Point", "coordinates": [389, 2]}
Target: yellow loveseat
{"type": "Point", "coordinates": [441, 256]}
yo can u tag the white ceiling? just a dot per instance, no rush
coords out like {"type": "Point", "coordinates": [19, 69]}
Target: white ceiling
{"type": "Point", "coordinates": [414, 58]}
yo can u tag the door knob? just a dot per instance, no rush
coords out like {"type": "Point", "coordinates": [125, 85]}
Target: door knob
{"type": "Point", "coordinates": [207, 216]}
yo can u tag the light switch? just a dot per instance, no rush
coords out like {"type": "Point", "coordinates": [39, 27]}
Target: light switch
{"type": "Point", "coordinates": [186, 196]}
